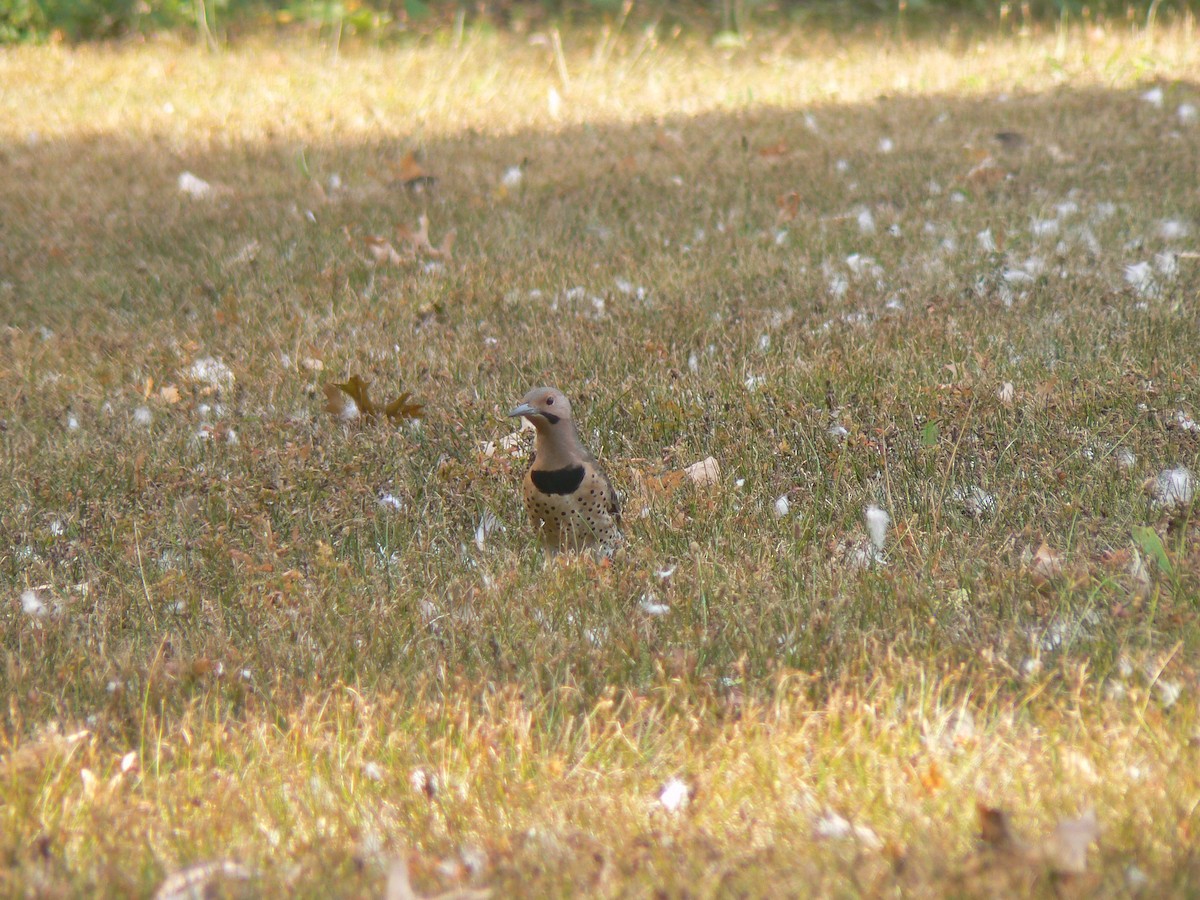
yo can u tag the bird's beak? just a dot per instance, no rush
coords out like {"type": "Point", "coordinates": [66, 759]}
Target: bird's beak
{"type": "Point", "coordinates": [523, 410]}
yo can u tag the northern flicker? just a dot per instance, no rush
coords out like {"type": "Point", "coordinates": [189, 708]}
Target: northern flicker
{"type": "Point", "coordinates": [569, 500]}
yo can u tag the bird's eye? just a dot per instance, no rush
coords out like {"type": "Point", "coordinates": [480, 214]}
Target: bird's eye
{"type": "Point", "coordinates": [549, 401]}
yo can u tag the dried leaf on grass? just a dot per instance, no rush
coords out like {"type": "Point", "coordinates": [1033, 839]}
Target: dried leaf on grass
{"type": "Point", "coordinates": [668, 140]}
{"type": "Point", "coordinates": [399, 887]}
{"type": "Point", "coordinates": [202, 880]}
{"type": "Point", "coordinates": [986, 173]}
{"type": "Point", "coordinates": [316, 193]}
{"type": "Point", "coordinates": [47, 742]}
{"type": "Point", "coordinates": [994, 829]}
{"type": "Point", "coordinates": [420, 243]}
{"type": "Point", "coordinates": [511, 446]}
{"type": "Point", "coordinates": [1062, 852]}
{"type": "Point", "coordinates": [412, 174]}
{"type": "Point", "coordinates": [1065, 848]}
{"type": "Point", "coordinates": [1172, 490]}
{"type": "Point", "coordinates": [774, 152]}
{"type": "Point", "coordinates": [703, 476]}
{"type": "Point", "coordinates": [248, 254]}
{"type": "Point", "coordinates": [382, 252]}
{"type": "Point", "coordinates": [787, 207]}
{"type": "Point", "coordinates": [664, 483]}
{"type": "Point", "coordinates": [414, 244]}
{"type": "Point", "coordinates": [350, 399]}
{"type": "Point", "coordinates": [705, 473]}
{"type": "Point", "coordinates": [1045, 564]}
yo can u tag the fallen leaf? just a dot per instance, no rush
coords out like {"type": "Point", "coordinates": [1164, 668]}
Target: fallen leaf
{"type": "Point", "coordinates": [665, 483]}
{"type": "Point", "coordinates": [339, 403]}
{"type": "Point", "coordinates": [349, 399]}
{"type": "Point", "coordinates": [932, 779]}
{"type": "Point", "coordinates": [774, 151]}
{"type": "Point", "coordinates": [228, 313]}
{"type": "Point", "coordinates": [1065, 849]}
{"type": "Point", "coordinates": [399, 887]}
{"type": "Point", "coordinates": [382, 252]}
{"type": "Point", "coordinates": [201, 880]}
{"type": "Point", "coordinates": [1046, 563]}
{"type": "Point", "coordinates": [248, 254]}
{"type": "Point", "coordinates": [169, 393]}
{"type": "Point", "coordinates": [787, 207]}
{"type": "Point", "coordinates": [705, 473]}
{"type": "Point", "coordinates": [668, 141]}
{"type": "Point", "coordinates": [402, 408]}
{"type": "Point", "coordinates": [994, 829]}
{"type": "Point", "coordinates": [412, 174]}
{"type": "Point", "coordinates": [1172, 490]}
{"type": "Point", "coordinates": [357, 389]}
{"type": "Point", "coordinates": [419, 241]}
{"type": "Point", "coordinates": [986, 173]}
{"type": "Point", "coordinates": [977, 154]}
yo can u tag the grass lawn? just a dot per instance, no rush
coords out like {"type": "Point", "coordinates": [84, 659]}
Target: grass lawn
{"type": "Point", "coordinates": [257, 645]}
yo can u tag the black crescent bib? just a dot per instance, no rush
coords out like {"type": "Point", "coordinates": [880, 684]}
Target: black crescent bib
{"type": "Point", "coordinates": [557, 481]}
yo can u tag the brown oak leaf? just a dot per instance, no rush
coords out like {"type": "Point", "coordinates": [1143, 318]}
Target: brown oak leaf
{"type": "Point", "coordinates": [351, 399]}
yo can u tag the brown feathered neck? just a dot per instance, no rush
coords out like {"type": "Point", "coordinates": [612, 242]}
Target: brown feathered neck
{"type": "Point", "coordinates": [557, 445]}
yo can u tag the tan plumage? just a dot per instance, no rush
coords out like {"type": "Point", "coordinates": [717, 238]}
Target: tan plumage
{"type": "Point", "coordinates": [570, 501]}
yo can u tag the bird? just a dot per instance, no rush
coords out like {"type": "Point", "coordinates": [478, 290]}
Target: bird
{"type": "Point", "coordinates": [569, 499]}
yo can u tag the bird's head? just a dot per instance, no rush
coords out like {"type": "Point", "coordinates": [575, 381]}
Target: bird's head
{"type": "Point", "coordinates": [545, 407]}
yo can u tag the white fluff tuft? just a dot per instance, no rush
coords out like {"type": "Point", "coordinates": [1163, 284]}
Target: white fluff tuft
{"type": "Point", "coordinates": [674, 795]}
{"type": "Point", "coordinates": [877, 525]}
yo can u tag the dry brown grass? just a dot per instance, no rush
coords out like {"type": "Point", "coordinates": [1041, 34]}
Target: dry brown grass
{"type": "Point", "coordinates": [270, 667]}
